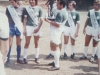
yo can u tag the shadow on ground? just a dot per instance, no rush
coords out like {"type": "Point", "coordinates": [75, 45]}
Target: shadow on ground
{"type": "Point", "coordinates": [84, 74]}
{"type": "Point", "coordinates": [85, 68]}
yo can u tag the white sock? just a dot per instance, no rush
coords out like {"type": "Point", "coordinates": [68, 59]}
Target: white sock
{"type": "Point", "coordinates": [65, 48]}
{"type": "Point", "coordinates": [25, 53]}
{"type": "Point", "coordinates": [52, 52]}
{"type": "Point", "coordinates": [72, 49]}
{"type": "Point", "coordinates": [85, 50]}
{"type": "Point", "coordinates": [36, 52]}
{"type": "Point", "coordinates": [56, 58]}
{"type": "Point", "coordinates": [94, 51]}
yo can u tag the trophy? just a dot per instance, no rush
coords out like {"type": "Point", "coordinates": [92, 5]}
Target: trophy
{"type": "Point", "coordinates": [50, 15]}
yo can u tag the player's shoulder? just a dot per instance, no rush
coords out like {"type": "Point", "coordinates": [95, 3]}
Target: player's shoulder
{"type": "Point", "coordinates": [38, 7]}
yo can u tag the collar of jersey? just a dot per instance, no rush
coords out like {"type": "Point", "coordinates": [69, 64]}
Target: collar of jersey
{"type": "Point", "coordinates": [32, 7]}
{"type": "Point", "coordinates": [73, 10]}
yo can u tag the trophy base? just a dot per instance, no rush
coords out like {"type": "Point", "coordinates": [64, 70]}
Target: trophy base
{"type": "Point", "coordinates": [52, 18]}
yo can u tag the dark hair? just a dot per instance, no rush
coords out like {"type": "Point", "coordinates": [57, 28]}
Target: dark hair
{"type": "Point", "coordinates": [14, 0]}
{"type": "Point", "coordinates": [62, 2]}
{"type": "Point", "coordinates": [36, 2]}
{"type": "Point", "coordinates": [98, 2]}
{"type": "Point", "coordinates": [73, 3]}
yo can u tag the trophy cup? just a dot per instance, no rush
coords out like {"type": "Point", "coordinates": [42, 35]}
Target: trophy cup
{"type": "Point", "coordinates": [50, 15]}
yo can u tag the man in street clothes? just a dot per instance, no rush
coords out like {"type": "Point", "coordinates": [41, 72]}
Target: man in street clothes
{"type": "Point", "coordinates": [14, 14]}
{"type": "Point", "coordinates": [4, 42]}
{"type": "Point", "coordinates": [71, 28]}
{"type": "Point", "coordinates": [92, 24]}
{"type": "Point", "coordinates": [32, 23]}
{"type": "Point", "coordinates": [56, 31]}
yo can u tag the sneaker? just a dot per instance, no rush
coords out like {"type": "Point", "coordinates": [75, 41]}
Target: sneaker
{"type": "Point", "coordinates": [25, 61]}
{"type": "Point", "coordinates": [83, 57]}
{"type": "Point", "coordinates": [7, 63]}
{"type": "Point", "coordinates": [37, 60]}
{"type": "Point", "coordinates": [72, 56]}
{"type": "Point", "coordinates": [51, 64]}
{"type": "Point", "coordinates": [20, 61]}
{"type": "Point", "coordinates": [54, 68]}
{"type": "Point", "coordinates": [49, 56]}
{"type": "Point", "coordinates": [92, 59]}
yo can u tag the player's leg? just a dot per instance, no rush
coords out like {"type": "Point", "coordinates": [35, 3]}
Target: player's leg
{"type": "Point", "coordinates": [66, 38]}
{"type": "Point", "coordinates": [4, 48]}
{"type": "Point", "coordinates": [56, 52]}
{"type": "Point", "coordinates": [87, 42]}
{"type": "Point", "coordinates": [26, 46]}
{"type": "Point", "coordinates": [36, 42]}
{"type": "Point", "coordinates": [29, 32]}
{"type": "Point", "coordinates": [95, 43]}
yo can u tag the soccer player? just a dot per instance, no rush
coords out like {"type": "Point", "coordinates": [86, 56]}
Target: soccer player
{"type": "Point", "coordinates": [71, 28]}
{"type": "Point", "coordinates": [32, 24]}
{"type": "Point", "coordinates": [56, 31]}
{"type": "Point", "coordinates": [92, 24]}
{"type": "Point", "coordinates": [55, 11]}
{"type": "Point", "coordinates": [14, 14]}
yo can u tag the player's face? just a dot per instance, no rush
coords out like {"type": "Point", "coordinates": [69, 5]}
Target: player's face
{"type": "Point", "coordinates": [96, 6]}
{"type": "Point", "coordinates": [70, 6]}
{"type": "Point", "coordinates": [32, 2]}
{"type": "Point", "coordinates": [13, 3]}
{"type": "Point", "coordinates": [58, 5]}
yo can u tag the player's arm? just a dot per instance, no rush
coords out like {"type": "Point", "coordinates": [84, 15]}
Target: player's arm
{"type": "Point", "coordinates": [40, 21]}
{"type": "Point", "coordinates": [53, 23]}
{"type": "Point", "coordinates": [40, 18]}
{"type": "Point", "coordinates": [7, 13]}
{"type": "Point", "coordinates": [24, 20]}
{"type": "Point", "coordinates": [47, 2]}
{"type": "Point", "coordinates": [57, 22]}
{"type": "Point", "coordinates": [78, 22]}
{"type": "Point", "coordinates": [86, 23]}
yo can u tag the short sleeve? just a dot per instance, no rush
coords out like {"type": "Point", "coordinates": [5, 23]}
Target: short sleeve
{"type": "Point", "coordinates": [25, 12]}
{"type": "Point", "coordinates": [77, 17]}
{"type": "Point", "coordinates": [7, 12]}
{"type": "Point", "coordinates": [88, 15]}
{"type": "Point", "coordinates": [40, 12]}
{"type": "Point", "coordinates": [58, 18]}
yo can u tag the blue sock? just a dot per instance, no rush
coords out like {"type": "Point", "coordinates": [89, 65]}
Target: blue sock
{"type": "Point", "coordinates": [18, 52]}
{"type": "Point", "coordinates": [8, 55]}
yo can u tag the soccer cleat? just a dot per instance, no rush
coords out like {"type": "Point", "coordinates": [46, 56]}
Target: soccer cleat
{"type": "Point", "coordinates": [53, 69]}
{"type": "Point", "coordinates": [72, 56]}
{"type": "Point", "coordinates": [83, 57]}
{"type": "Point", "coordinates": [37, 60]}
{"type": "Point", "coordinates": [51, 64]}
{"type": "Point", "coordinates": [20, 61]}
{"type": "Point", "coordinates": [92, 59]}
{"type": "Point", "coordinates": [49, 56]}
{"type": "Point", "coordinates": [65, 56]}
{"type": "Point", "coordinates": [95, 56]}
{"type": "Point", "coordinates": [25, 61]}
{"type": "Point", "coordinates": [7, 63]}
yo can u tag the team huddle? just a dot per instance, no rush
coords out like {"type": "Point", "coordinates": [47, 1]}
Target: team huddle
{"type": "Point", "coordinates": [27, 22]}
